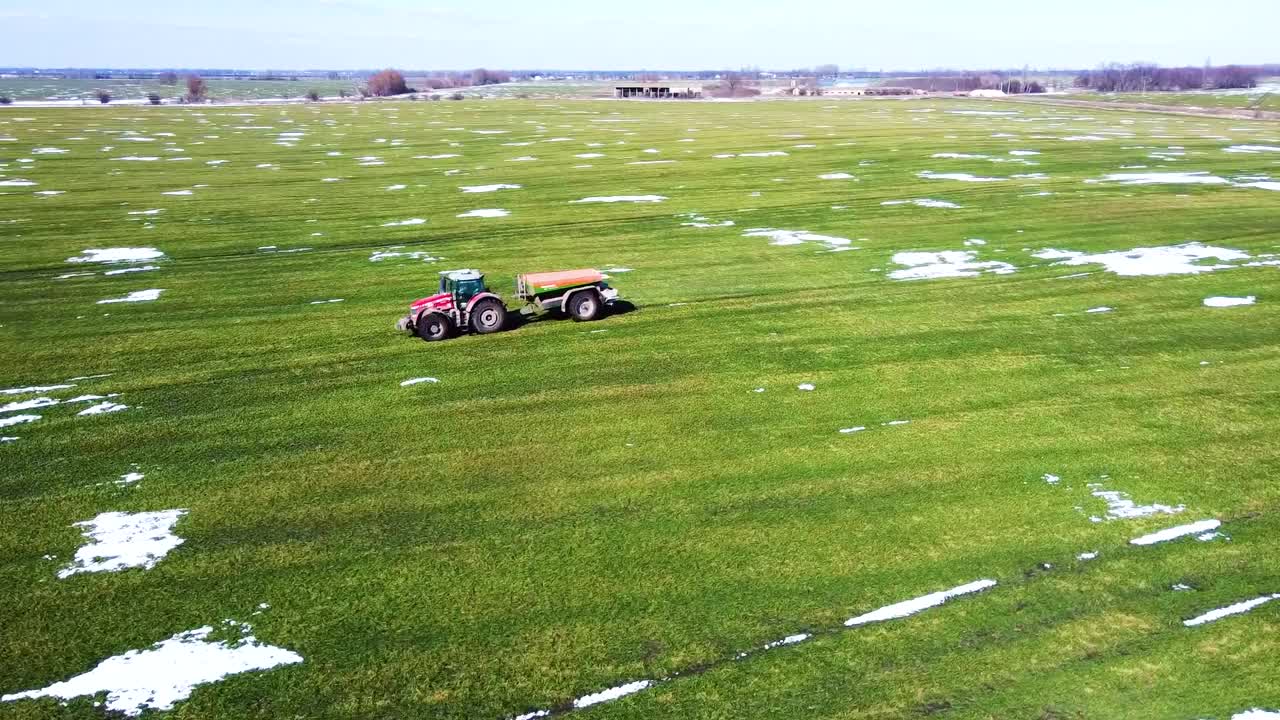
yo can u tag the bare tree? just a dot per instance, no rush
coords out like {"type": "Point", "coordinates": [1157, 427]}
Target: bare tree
{"type": "Point", "coordinates": [167, 78]}
{"type": "Point", "coordinates": [153, 98]}
{"type": "Point", "coordinates": [197, 88]}
{"type": "Point", "coordinates": [103, 96]}
{"type": "Point", "coordinates": [386, 83]}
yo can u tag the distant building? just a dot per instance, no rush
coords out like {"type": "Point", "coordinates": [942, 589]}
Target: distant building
{"type": "Point", "coordinates": [662, 91]}
{"type": "Point", "coordinates": [870, 91]}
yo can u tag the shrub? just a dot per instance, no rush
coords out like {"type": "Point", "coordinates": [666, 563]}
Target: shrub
{"type": "Point", "coordinates": [5, 100]}
{"type": "Point", "coordinates": [344, 93]}
{"type": "Point", "coordinates": [103, 96]}
{"type": "Point", "coordinates": [313, 95]}
{"type": "Point", "coordinates": [154, 99]}
{"type": "Point", "coordinates": [388, 82]}
{"type": "Point", "coordinates": [456, 96]}
{"type": "Point", "coordinates": [197, 88]}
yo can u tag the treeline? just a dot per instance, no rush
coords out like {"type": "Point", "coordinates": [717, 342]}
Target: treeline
{"type": "Point", "coordinates": [1143, 77]}
{"type": "Point", "coordinates": [479, 76]}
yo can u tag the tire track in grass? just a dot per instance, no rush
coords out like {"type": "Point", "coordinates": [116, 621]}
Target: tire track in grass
{"type": "Point", "coordinates": [895, 611]}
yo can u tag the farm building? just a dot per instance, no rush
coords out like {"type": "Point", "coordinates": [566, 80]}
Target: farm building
{"type": "Point", "coordinates": [657, 90]}
{"type": "Point", "coordinates": [870, 91]}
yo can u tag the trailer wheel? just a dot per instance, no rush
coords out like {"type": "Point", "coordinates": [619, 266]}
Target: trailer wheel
{"type": "Point", "coordinates": [432, 327]}
{"type": "Point", "coordinates": [488, 315]}
{"type": "Point", "coordinates": [584, 306]}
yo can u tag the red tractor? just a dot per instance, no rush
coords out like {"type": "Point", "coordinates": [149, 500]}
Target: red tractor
{"type": "Point", "coordinates": [465, 302]}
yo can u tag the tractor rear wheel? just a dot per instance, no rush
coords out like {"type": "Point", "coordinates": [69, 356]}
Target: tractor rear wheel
{"type": "Point", "coordinates": [488, 315]}
{"type": "Point", "coordinates": [584, 306]}
{"type": "Point", "coordinates": [433, 326]}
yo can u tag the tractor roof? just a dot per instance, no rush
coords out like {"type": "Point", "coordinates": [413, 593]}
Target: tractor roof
{"type": "Point", "coordinates": [464, 274]}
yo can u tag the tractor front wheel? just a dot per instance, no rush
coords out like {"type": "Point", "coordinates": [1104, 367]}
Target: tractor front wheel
{"type": "Point", "coordinates": [584, 306]}
{"type": "Point", "coordinates": [488, 315]}
{"type": "Point", "coordinates": [433, 326]}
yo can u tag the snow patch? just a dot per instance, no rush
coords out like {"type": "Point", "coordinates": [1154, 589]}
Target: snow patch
{"type": "Point", "coordinates": [121, 540]}
{"type": "Point", "coordinates": [1233, 609]}
{"type": "Point", "coordinates": [1173, 533]}
{"type": "Point", "coordinates": [1219, 302]}
{"type": "Point", "coordinates": [945, 264]}
{"type": "Point", "coordinates": [622, 198]}
{"type": "Point", "coordinates": [167, 672]}
{"type": "Point", "coordinates": [1162, 260]}
{"type": "Point", "coordinates": [117, 255]}
{"type": "Point", "coordinates": [135, 296]}
{"type": "Point", "coordinates": [911, 607]}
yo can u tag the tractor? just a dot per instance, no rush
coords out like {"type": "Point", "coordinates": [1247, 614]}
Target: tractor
{"type": "Point", "coordinates": [464, 302]}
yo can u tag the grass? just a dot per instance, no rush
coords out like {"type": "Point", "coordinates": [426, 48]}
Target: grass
{"type": "Point", "coordinates": [122, 89]}
{"type": "Point", "coordinates": [568, 509]}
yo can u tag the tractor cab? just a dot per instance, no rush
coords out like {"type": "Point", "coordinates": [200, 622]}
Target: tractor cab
{"type": "Point", "coordinates": [462, 285]}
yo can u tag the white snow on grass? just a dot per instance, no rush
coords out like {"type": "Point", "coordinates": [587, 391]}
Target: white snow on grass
{"type": "Point", "coordinates": [911, 607]}
{"type": "Point", "coordinates": [788, 640]}
{"type": "Point", "coordinates": [1163, 178]}
{"type": "Point", "coordinates": [799, 237]}
{"type": "Point", "coordinates": [807, 387]}
{"type": "Point", "coordinates": [117, 255]}
{"type": "Point", "coordinates": [622, 198]}
{"type": "Point", "coordinates": [177, 192]}
{"type": "Point", "coordinates": [443, 156]}
{"type": "Point", "coordinates": [589, 156]}
{"type": "Point", "coordinates": [17, 182]}
{"type": "Point", "coordinates": [325, 302]}
{"type": "Point", "coordinates": [1100, 309]}
{"type": "Point", "coordinates": [28, 404]}
{"type": "Point", "coordinates": [120, 540]}
{"type": "Point", "coordinates": [410, 221]}
{"type": "Point", "coordinates": [103, 408]}
{"type": "Point", "coordinates": [415, 381]}
{"type": "Point", "coordinates": [1051, 478]}
{"type": "Point", "coordinates": [836, 176]}
{"type": "Point", "coordinates": [945, 264]}
{"type": "Point", "coordinates": [962, 177]}
{"type": "Point", "coordinates": [36, 389]}
{"type": "Point", "coordinates": [1251, 149]}
{"type": "Point", "coordinates": [1220, 302]}
{"type": "Point", "coordinates": [135, 296]}
{"type": "Point", "coordinates": [1233, 609]}
{"type": "Point", "coordinates": [413, 255]}
{"type": "Point", "coordinates": [395, 187]}
{"type": "Point", "coordinates": [1173, 533]}
{"type": "Point", "coordinates": [123, 271]}
{"type": "Point", "coordinates": [612, 693]}
{"type": "Point", "coordinates": [923, 202]}
{"type": "Point", "coordinates": [487, 188]}
{"type": "Point", "coordinates": [485, 213]}
{"type": "Point", "coordinates": [1121, 507]}
{"type": "Point", "coordinates": [17, 420]}
{"type": "Point", "coordinates": [1257, 714]}
{"type": "Point", "coordinates": [1162, 260]}
{"type": "Point", "coordinates": [167, 672]}
{"type": "Point", "coordinates": [1087, 555]}
{"type": "Point", "coordinates": [129, 478]}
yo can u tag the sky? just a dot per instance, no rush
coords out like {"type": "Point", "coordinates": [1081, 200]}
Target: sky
{"type": "Point", "coordinates": [656, 35]}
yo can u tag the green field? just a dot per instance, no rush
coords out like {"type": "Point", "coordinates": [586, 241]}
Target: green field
{"type": "Point", "coordinates": [576, 506]}
{"type": "Point", "coordinates": [1263, 98]}
{"type": "Point", "coordinates": [27, 89]}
